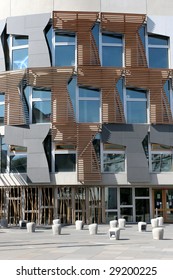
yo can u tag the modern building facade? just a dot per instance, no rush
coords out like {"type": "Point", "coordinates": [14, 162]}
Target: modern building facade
{"type": "Point", "coordinates": [86, 110]}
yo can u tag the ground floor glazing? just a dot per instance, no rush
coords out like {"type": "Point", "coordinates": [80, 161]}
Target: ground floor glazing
{"type": "Point", "coordinates": [99, 204]}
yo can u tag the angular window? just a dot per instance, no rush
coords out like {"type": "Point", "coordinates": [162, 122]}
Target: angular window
{"type": "Point", "coordinates": [65, 48]}
{"type": "Point", "coordinates": [113, 158]}
{"type": "Point", "coordinates": [161, 158]}
{"type": "Point", "coordinates": [18, 46]}
{"type": "Point", "coordinates": [112, 50]}
{"type": "Point", "coordinates": [18, 159]}
{"type": "Point", "coordinates": [136, 106]}
{"type": "Point", "coordinates": [65, 158]}
{"type": "Point", "coordinates": [158, 51]}
{"type": "Point", "coordinates": [38, 104]}
{"type": "Point", "coordinates": [86, 103]}
{"type": "Point", "coordinates": [89, 105]}
{"type": "Point", "coordinates": [2, 108]}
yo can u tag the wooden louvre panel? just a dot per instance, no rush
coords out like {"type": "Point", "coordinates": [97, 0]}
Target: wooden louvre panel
{"type": "Point", "coordinates": [81, 23]}
{"type": "Point", "coordinates": [152, 80]}
{"type": "Point", "coordinates": [88, 166]}
{"type": "Point", "coordinates": [105, 79]}
{"type": "Point", "coordinates": [10, 84]}
{"type": "Point", "coordinates": [129, 25]}
{"type": "Point", "coordinates": [65, 133]}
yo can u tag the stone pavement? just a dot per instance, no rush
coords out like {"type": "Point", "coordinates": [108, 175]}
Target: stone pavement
{"type": "Point", "coordinates": [72, 244]}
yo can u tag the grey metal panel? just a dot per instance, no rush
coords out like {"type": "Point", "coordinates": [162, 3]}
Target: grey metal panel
{"type": "Point", "coordinates": [131, 136]}
{"type": "Point", "coordinates": [161, 134]}
{"type": "Point", "coordinates": [2, 58]}
{"type": "Point", "coordinates": [32, 138]}
{"type": "Point", "coordinates": [32, 26]}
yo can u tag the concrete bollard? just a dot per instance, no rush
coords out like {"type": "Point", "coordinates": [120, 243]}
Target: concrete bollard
{"type": "Point", "coordinates": [142, 226]}
{"type": "Point", "coordinates": [30, 227]}
{"type": "Point", "coordinates": [79, 224]}
{"type": "Point", "coordinates": [158, 233]}
{"type": "Point", "coordinates": [56, 228]}
{"type": "Point", "coordinates": [56, 221]}
{"type": "Point", "coordinates": [154, 222]}
{"type": "Point", "coordinates": [121, 223]}
{"type": "Point", "coordinates": [160, 221]}
{"type": "Point", "coordinates": [113, 223]}
{"type": "Point", "coordinates": [93, 228]}
{"type": "Point", "coordinates": [22, 224]}
{"type": "Point", "coordinates": [114, 233]}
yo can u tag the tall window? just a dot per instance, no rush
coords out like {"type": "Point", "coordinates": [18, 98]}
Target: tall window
{"type": "Point", "coordinates": [65, 158]}
{"type": "Point", "coordinates": [112, 50]}
{"type": "Point", "coordinates": [38, 104]}
{"type": "Point", "coordinates": [2, 107]}
{"type": "Point", "coordinates": [3, 155]}
{"type": "Point", "coordinates": [86, 103]}
{"type": "Point", "coordinates": [158, 51]}
{"type": "Point", "coordinates": [136, 106]}
{"type": "Point", "coordinates": [113, 158]}
{"type": "Point", "coordinates": [65, 49]}
{"type": "Point", "coordinates": [18, 159]}
{"type": "Point", "coordinates": [18, 46]}
{"type": "Point", "coordinates": [161, 158]}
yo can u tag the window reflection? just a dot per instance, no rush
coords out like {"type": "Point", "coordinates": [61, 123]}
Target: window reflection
{"type": "Point", "coordinates": [65, 162]}
{"type": "Point", "coordinates": [18, 163]}
{"type": "Point", "coordinates": [64, 49]}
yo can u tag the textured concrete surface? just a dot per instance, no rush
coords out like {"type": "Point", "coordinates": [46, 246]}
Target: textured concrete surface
{"type": "Point", "coordinates": [72, 244]}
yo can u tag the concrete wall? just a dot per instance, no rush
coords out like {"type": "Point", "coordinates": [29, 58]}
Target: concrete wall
{"type": "Point", "coordinates": [24, 7]}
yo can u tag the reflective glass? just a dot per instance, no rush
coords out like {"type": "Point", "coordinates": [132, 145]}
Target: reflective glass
{"type": "Point", "coordinates": [167, 90]}
{"type": "Point", "coordinates": [142, 192]}
{"type": "Point", "coordinates": [132, 93]}
{"type": "Point", "coordinates": [65, 55]}
{"type": "Point", "coordinates": [157, 40]}
{"type": "Point", "coordinates": [119, 86]}
{"type": "Point", "coordinates": [62, 38]}
{"type": "Point", "coordinates": [65, 162]}
{"type": "Point", "coordinates": [111, 198]}
{"type": "Point", "coordinates": [2, 108]}
{"type": "Point", "coordinates": [126, 196]}
{"type": "Point", "coordinates": [72, 93]}
{"type": "Point", "coordinates": [18, 163]}
{"type": "Point", "coordinates": [158, 58]}
{"type": "Point", "coordinates": [41, 111]}
{"type": "Point", "coordinates": [113, 163]}
{"type": "Point", "coordinates": [84, 92]}
{"type": "Point", "coordinates": [89, 111]}
{"type": "Point", "coordinates": [161, 162]}
{"type": "Point", "coordinates": [20, 40]}
{"type": "Point", "coordinates": [142, 207]}
{"type": "Point", "coordinates": [111, 38]}
{"type": "Point", "coordinates": [136, 112]}
{"type": "Point", "coordinates": [4, 149]}
{"type": "Point", "coordinates": [127, 214]}
{"type": "Point", "coordinates": [95, 32]}
{"type": "Point", "coordinates": [20, 59]}
{"type": "Point", "coordinates": [112, 56]}
{"type": "Point", "coordinates": [38, 93]}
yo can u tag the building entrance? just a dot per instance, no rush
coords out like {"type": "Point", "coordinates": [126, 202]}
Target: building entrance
{"type": "Point", "coordinates": [163, 204]}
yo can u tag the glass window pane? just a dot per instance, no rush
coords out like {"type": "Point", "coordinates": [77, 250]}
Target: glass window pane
{"type": "Point", "coordinates": [20, 59]}
{"type": "Point", "coordinates": [112, 38]}
{"type": "Point", "coordinates": [156, 163]}
{"type": "Point", "coordinates": [72, 93]}
{"type": "Point", "coordinates": [18, 163]}
{"type": "Point", "coordinates": [89, 111]}
{"type": "Point", "coordinates": [65, 162]}
{"type": "Point", "coordinates": [85, 92]}
{"type": "Point", "coordinates": [41, 111]}
{"type": "Point", "coordinates": [70, 38]}
{"type": "Point", "coordinates": [111, 198]}
{"type": "Point", "coordinates": [112, 56]}
{"type": "Point", "coordinates": [127, 214]}
{"type": "Point", "coordinates": [125, 196]}
{"type": "Point", "coordinates": [95, 32]}
{"type": "Point", "coordinates": [113, 163]}
{"type": "Point", "coordinates": [158, 58]}
{"type": "Point", "coordinates": [166, 163]}
{"type": "Point", "coordinates": [142, 192]}
{"type": "Point", "coordinates": [142, 207]}
{"type": "Point", "coordinates": [134, 93]}
{"type": "Point", "coordinates": [119, 86]}
{"type": "Point", "coordinates": [2, 110]}
{"type": "Point", "coordinates": [20, 40]}
{"type": "Point", "coordinates": [64, 55]}
{"type": "Point", "coordinates": [136, 112]}
{"type": "Point", "coordinates": [38, 93]}
{"type": "Point", "coordinates": [4, 149]}
{"type": "Point", "coordinates": [157, 40]}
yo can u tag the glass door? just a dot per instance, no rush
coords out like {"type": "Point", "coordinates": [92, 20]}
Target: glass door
{"type": "Point", "coordinates": [163, 204]}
